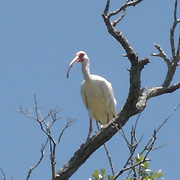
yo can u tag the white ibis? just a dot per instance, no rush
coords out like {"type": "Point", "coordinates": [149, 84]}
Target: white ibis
{"type": "Point", "coordinates": [97, 93]}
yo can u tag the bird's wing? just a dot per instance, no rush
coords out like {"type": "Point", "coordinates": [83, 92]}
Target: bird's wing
{"type": "Point", "coordinates": [83, 94]}
{"type": "Point", "coordinates": [109, 96]}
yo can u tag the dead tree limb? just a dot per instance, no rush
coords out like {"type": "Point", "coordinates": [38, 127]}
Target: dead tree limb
{"type": "Point", "coordinates": [137, 98]}
{"type": "Point", "coordinates": [45, 126]}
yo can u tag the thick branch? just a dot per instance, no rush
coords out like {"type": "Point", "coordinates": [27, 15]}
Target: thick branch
{"type": "Point", "coordinates": [143, 62]}
{"type": "Point", "coordinates": [108, 131]}
{"type": "Point", "coordinates": [81, 155]}
{"type": "Point", "coordinates": [153, 92]}
{"type": "Point", "coordinates": [169, 75]}
{"type": "Point", "coordinates": [118, 36]}
{"type": "Point", "coordinates": [111, 29]}
{"type": "Point", "coordinates": [135, 102]}
{"type": "Point", "coordinates": [156, 91]}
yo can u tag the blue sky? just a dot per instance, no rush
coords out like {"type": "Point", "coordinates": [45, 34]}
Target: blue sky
{"type": "Point", "coordinates": [38, 39]}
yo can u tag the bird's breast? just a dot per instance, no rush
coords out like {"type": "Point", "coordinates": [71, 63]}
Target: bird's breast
{"type": "Point", "coordinates": [96, 101]}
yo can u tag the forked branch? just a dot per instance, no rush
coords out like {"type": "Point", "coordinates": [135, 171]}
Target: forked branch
{"type": "Point", "coordinates": [46, 126]}
{"type": "Point", "coordinates": [137, 97]}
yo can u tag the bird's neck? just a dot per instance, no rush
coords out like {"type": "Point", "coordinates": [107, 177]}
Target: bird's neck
{"type": "Point", "coordinates": [86, 71]}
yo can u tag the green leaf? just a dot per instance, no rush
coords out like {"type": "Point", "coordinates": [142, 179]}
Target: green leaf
{"type": "Point", "coordinates": [102, 171]}
{"type": "Point", "coordinates": [145, 164]}
{"type": "Point", "coordinates": [158, 174]}
{"type": "Point", "coordinates": [95, 174]}
{"type": "Point", "coordinates": [110, 177]}
{"type": "Point", "coordinates": [139, 157]}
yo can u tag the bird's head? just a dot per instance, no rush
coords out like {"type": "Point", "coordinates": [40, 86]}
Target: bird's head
{"type": "Point", "coordinates": [81, 56]}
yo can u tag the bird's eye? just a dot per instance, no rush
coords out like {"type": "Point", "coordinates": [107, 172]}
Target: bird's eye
{"type": "Point", "coordinates": [81, 55]}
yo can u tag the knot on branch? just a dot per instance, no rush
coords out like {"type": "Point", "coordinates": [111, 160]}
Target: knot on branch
{"type": "Point", "coordinates": [141, 104]}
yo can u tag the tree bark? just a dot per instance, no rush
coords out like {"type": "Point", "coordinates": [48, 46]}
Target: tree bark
{"type": "Point", "coordinates": [137, 97]}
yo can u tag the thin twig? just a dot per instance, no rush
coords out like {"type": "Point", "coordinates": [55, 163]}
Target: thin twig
{"type": "Point", "coordinates": [4, 176]}
{"type": "Point", "coordinates": [130, 167]}
{"type": "Point", "coordinates": [40, 122]}
{"type": "Point", "coordinates": [153, 138]}
{"type": "Point", "coordinates": [131, 146]}
{"type": "Point", "coordinates": [127, 4]}
{"type": "Point", "coordinates": [53, 147]}
{"type": "Point", "coordinates": [45, 126]}
{"type": "Point", "coordinates": [107, 154]}
{"type": "Point", "coordinates": [136, 122]}
{"type": "Point", "coordinates": [161, 54]}
{"type": "Point", "coordinates": [106, 7]}
{"type": "Point", "coordinates": [147, 148]}
{"type": "Point", "coordinates": [114, 23]}
{"type": "Point", "coordinates": [178, 47]}
{"type": "Point", "coordinates": [37, 164]}
{"type": "Point", "coordinates": [158, 147]}
{"type": "Point", "coordinates": [176, 21]}
{"type": "Point", "coordinates": [69, 123]}
{"type": "Point", "coordinates": [109, 159]}
{"type": "Point", "coordinates": [175, 109]}
{"type": "Point", "coordinates": [122, 133]}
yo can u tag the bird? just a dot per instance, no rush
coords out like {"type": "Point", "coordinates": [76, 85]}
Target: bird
{"type": "Point", "coordinates": [97, 93]}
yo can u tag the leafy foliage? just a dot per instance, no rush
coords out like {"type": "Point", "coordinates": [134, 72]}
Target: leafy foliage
{"type": "Point", "coordinates": [101, 175]}
{"type": "Point", "coordinates": [141, 172]}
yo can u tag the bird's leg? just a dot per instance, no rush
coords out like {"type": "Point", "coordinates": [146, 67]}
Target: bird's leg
{"type": "Point", "coordinates": [90, 129]}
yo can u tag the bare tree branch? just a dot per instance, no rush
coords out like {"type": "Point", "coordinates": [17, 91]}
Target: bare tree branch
{"type": "Point", "coordinates": [115, 33]}
{"type": "Point", "coordinates": [175, 109]}
{"type": "Point", "coordinates": [130, 167]}
{"type": "Point", "coordinates": [106, 7]}
{"type": "Point", "coordinates": [136, 100]}
{"type": "Point", "coordinates": [178, 49]}
{"type": "Point", "coordinates": [37, 164]}
{"type": "Point", "coordinates": [107, 154]}
{"type": "Point", "coordinates": [132, 145]}
{"type": "Point", "coordinates": [161, 54]}
{"type": "Point", "coordinates": [173, 64]}
{"type": "Point", "coordinates": [153, 138]}
{"type": "Point", "coordinates": [115, 22]}
{"type": "Point", "coordinates": [46, 129]}
{"type": "Point", "coordinates": [109, 159]}
{"type": "Point", "coordinates": [4, 176]}
{"type": "Point", "coordinates": [176, 21]}
{"type": "Point", "coordinates": [157, 91]}
{"type": "Point", "coordinates": [127, 4]}
{"type": "Point", "coordinates": [162, 145]}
